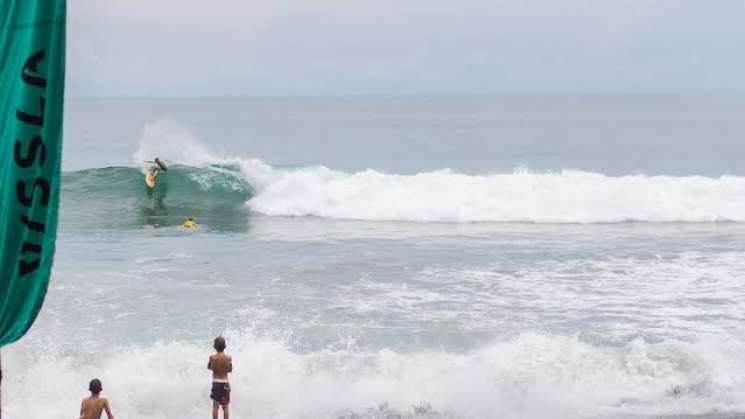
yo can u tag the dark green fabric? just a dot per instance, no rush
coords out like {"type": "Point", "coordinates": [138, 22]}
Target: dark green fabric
{"type": "Point", "coordinates": [32, 77]}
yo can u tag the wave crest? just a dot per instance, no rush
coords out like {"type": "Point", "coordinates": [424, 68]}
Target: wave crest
{"type": "Point", "coordinates": [523, 196]}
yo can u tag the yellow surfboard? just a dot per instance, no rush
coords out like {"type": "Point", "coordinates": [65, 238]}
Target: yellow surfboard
{"type": "Point", "coordinates": [151, 177]}
{"type": "Point", "coordinates": [150, 180]}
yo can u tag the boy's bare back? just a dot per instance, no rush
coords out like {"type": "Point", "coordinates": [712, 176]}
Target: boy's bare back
{"type": "Point", "coordinates": [220, 364]}
{"type": "Point", "coordinates": [92, 407]}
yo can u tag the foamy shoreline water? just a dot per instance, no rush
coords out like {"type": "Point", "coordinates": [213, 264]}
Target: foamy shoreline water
{"type": "Point", "coordinates": [530, 376]}
{"type": "Point", "coordinates": [523, 321]}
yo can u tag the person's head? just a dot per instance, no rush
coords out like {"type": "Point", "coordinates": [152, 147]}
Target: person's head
{"type": "Point", "coordinates": [95, 386]}
{"type": "Point", "coordinates": [219, 344]}
{"type": "Point", "coordinates": [189, 219]}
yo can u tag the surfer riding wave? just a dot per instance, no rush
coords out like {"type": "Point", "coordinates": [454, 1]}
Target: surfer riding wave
{"type": "Point", "coordinates": [154, 171]}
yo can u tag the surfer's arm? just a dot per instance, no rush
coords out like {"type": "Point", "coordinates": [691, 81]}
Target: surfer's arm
{"type": "Point", "coordinates": [209, 364]}
{"type": "Point", "coordinates": [160, 164]}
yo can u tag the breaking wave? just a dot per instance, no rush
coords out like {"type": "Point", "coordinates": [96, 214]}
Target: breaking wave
{"type": "Point", "coordinates": [202, 184]}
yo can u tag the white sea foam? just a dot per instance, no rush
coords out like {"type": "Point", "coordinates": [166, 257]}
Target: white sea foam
{"type": "Point", "coordinates": [530, 376]}
{"type": "Point", "coordinates": [569, 196]}
{"type": "Point", "coordinates": [445, 196]}
{"type": "Point", "coordinates": [172, 142]}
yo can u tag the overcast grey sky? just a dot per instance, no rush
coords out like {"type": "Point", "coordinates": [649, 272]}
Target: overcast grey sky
{"type": "Point", "coordinates": [403, 47]}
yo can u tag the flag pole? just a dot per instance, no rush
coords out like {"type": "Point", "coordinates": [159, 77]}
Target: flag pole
{"type": "Point", "coordinates": [1, 381]}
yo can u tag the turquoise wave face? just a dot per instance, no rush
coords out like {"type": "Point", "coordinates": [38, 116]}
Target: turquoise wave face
{"type": "Point", "coordinates": [116, 198]}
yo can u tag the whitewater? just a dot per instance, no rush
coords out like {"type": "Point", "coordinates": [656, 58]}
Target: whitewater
{"type": "Point", "coordinates": [334, 325]}
{"type": "Point", "coordinates": [531, 376]}
{"type": "Point", "coordinates": [580, 258]}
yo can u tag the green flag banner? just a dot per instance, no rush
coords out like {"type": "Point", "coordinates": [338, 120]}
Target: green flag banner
{"type": "Point", "coordinates": [32, 77]}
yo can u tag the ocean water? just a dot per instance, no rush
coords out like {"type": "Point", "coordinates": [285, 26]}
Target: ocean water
{"type": "Point", "coordinates": [444, 257]}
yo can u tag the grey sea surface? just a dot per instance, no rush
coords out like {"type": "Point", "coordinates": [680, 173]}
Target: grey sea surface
{"type": "Point", "coordinates": [583, 257]}
{"type": "Point", "coordinates": [614, 135]}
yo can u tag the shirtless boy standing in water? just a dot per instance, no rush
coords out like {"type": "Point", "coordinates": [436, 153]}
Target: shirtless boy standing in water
{"type": "Point", "coordinates": [220, 364]}
{"type": "Point", "coordinates": [93, 406]}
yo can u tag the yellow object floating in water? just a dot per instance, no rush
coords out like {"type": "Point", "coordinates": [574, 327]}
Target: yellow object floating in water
{"type": "Point", "coordinates": [190, 223]}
